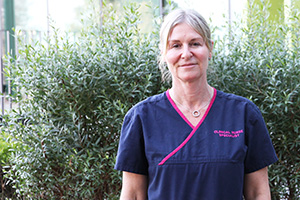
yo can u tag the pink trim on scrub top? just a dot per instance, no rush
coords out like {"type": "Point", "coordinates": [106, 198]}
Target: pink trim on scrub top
{"type": "Point", "coordinates": [178, 111]}
{"type": "Point", "coordinates": [194, 128]}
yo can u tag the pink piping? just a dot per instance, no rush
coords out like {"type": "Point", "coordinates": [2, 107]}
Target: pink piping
{"type": "Point", "coordinates": [194, 128]}
{"type": "Point", "coordinates": [177, 109]}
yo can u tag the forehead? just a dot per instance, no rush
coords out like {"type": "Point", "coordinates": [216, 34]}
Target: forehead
{"type": "Point", "coordinates": [183, 31]}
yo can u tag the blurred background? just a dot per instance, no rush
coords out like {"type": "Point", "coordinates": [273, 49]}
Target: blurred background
{"type": "Point", "coordinates": [35, 19]}
{"type": "Point", "coordinates": [67, 14]}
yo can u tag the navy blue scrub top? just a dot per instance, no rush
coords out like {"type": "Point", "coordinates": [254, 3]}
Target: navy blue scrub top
{"type": "Point", "coordinates": [185, 162]}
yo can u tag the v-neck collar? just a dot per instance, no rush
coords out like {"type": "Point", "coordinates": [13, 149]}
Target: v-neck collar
{"type": "Point", "coordinates": [184, 117]}
{"type": "Point", "coordinates": [194, 128]}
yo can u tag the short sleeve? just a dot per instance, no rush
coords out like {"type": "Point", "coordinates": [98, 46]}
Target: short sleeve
{"type": "Point", "coordinates": [131, 152]}
{"type": "Point", "coordinates": [260, 151]}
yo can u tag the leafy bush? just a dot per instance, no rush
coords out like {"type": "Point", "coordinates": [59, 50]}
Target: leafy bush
{"type": "Point", "coordinates": [77, 95]}
{"type": "Point", "coordinates": [4, 150]}
{"type": "Point", "coordinates": [6, 189]}
{"type": "Point", "coordinates": [260, 59]}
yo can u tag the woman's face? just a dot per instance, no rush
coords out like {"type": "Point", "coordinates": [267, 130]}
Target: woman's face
{"type": "Point", "coordinates": [187, 54]}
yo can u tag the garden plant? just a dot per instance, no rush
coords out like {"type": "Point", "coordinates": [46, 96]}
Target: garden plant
{"type": "Point", "coordinates": [260, 59]}
{"type": "Point", "coordinates": [72, 97]}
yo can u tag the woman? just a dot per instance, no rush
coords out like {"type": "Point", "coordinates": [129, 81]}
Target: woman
{"type": "Point", "coordinates": [193, 142]}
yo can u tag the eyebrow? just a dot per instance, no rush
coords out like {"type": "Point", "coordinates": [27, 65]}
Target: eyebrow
{"type": "Point", "coordinates": [197, 38]}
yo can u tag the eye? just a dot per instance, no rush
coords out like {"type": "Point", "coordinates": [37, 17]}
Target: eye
{"type": "Point", "coordinates": [175, 45]}
{"type": "Point", "coordinates": [196, 44]}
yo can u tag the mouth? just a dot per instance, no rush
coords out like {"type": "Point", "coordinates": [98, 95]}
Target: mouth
{"type": "Point", "coordinates": [187, 65]}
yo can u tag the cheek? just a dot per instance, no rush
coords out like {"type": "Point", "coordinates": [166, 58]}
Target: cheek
{"type": "Point", "coordinates": [203, 55]}
{"type": "Point", "coordinates": [172, 57]}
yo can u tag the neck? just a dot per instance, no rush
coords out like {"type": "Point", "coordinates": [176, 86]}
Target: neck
{"type": "Point", "coordinates": [192, 95]}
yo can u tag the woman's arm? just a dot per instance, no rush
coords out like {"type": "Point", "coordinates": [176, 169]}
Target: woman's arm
{"type": "Point", "coordinates": [256, 185]}
{"type": "Point", "coordinates": [134, 186]}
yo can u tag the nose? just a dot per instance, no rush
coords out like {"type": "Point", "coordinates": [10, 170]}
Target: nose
{"type": "Point", "coordinates": [186, 52]}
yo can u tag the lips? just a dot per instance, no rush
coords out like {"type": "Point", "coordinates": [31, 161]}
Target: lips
{"type": "Point", "coordinates": [187, 65]}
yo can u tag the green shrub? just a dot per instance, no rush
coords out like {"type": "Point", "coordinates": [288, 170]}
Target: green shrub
{"type": "Point", "coordinates": [260, 59]}
{"type": "Point", "coordinates": [77, 95]}
{"type": "Point", "coordinates": [4, 150]}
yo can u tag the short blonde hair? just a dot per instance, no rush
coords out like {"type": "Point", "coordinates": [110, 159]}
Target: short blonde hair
{"type": "Point", "coordinates": [188, 16]}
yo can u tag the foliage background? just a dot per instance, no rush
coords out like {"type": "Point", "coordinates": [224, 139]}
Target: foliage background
{"type": "Point", "coordinates": [65, 132]}
{"type": "Point", "coordinates": [259, 59]}
{"type": "Point", "coordinates": [67, 128]}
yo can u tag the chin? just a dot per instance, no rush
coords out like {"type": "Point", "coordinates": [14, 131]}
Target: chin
{"type": "Point", "coordinates": [190, 78]}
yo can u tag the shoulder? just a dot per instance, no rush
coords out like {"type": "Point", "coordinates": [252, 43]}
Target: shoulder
{"type": "Point", "coordinates": [236, 99]}
{"type": "Point", "coordinates": [236, 103]}
{"type": "Point", "coordinates": [146, 104]}
{"type": "Point", "coordinates": [233, 97]}
{"type": "Point", "coordinates": [152, 100]}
